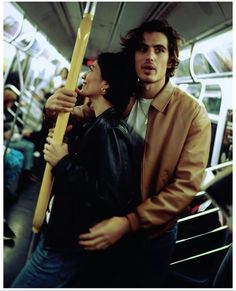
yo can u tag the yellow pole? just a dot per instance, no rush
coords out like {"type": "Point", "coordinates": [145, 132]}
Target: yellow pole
{"type": "Point", "coordinates": [62, 119]}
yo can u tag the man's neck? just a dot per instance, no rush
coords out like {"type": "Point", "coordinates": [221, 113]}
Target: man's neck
{"type": "Point", "coordinates": [151, 90]}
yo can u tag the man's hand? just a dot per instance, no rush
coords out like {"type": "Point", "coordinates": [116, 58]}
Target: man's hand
{"type": "Point", "coordinates": [104, 234]}
{"type": "Point", "coordinates": [63, 100]}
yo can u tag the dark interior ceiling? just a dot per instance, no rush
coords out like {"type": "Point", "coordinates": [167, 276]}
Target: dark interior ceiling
{"type": "Point", "coordinates": [59, 21]}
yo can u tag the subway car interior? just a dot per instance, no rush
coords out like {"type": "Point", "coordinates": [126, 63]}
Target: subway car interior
{"type": "Point", "coordinates": [38, 41]}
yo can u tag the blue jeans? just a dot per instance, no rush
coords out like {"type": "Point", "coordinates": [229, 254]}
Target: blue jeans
{"type": "Point", "coordinates": [136, 264]}
{"type": "Point", "coordinates": [49, 268]}
{"type": "Point", "coordinates": [57, 269]}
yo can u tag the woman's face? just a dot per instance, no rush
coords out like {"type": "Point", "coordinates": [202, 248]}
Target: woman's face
{"type": "Point", "coordinates": [93, 81]}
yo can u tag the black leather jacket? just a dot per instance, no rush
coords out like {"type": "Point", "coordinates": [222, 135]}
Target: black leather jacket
{"type": "Point", "coordinates": [98, 179]}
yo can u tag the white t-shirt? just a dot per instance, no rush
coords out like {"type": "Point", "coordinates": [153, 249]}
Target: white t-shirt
{"type": "Point", "coordinates": [138, 117]}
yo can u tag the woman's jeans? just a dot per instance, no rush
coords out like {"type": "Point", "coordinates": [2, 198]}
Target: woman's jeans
{"type": "Point", "coordinates": [49, 268]}
{"type": "Point", "coordinates": [145, 264]}
{"type": "Point", "coordinates": [92, 269]}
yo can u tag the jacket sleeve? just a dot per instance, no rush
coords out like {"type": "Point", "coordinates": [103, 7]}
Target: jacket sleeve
{"type": "Point", "coordinates": [70, 171]}
{"type": "Point", "coordinates": [162, 210]}
{"type": "Point", "coordinates": [83, 113]}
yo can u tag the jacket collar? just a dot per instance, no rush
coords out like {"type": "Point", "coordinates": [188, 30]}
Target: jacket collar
{"type": "Point", "coordinates": [159, 102]}
{"type": "Point", "coordinates": [163, 97]}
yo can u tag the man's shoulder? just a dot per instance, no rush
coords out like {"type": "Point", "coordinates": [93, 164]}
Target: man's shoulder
{"type": "Point", "coordinates": [186, 98]}
{"type": "Point", "coordinates": [188, 105]}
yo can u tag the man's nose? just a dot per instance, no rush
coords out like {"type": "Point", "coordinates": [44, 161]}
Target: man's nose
{"type": "Point", "coordinates": [150, 54]}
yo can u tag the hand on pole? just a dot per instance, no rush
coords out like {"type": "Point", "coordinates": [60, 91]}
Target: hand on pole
{"type": "Point", "coordinates": [63, 100]}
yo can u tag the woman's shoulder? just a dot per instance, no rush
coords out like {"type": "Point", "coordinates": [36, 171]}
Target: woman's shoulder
{"type": "Point", "coordinates": [112, 121]}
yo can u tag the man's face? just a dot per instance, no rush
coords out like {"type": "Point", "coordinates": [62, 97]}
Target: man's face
{"type": "Point", "coordinates": [151, 57]}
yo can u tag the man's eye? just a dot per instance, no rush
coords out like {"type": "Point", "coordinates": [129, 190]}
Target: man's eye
{"type": "Point", "coordinates": [159, 50]}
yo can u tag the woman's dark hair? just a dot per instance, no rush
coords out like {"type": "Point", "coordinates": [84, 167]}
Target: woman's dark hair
{"type": "Point", "coordinates": [134, 37]}
{"type": "Point", "coordinates": [116, 70]}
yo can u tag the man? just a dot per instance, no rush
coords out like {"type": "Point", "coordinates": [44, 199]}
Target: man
{"type": "Point", "coordinates": [176, 132]}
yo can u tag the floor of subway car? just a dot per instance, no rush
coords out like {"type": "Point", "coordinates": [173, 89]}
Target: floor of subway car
{"type": "Point", "coordinates": [19, 217]}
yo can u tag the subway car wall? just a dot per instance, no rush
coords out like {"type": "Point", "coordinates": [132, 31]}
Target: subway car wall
{"type": "Point", "coordinates": [32, 43]}
{"type": "Point", "coordinates": [38, 41]}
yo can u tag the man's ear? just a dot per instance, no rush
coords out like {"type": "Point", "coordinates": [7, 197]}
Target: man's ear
{"type": "Point", "coordinates": [170, 63]}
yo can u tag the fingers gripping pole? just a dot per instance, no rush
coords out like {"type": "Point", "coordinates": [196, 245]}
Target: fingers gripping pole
{"type": "Point", "coordinates": [62, 119]}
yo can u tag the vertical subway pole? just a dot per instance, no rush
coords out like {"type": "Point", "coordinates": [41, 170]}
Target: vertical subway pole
{"type": "Point", "coordinates": [62, 119]}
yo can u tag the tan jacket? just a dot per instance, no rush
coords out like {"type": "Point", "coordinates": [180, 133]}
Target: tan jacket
{"type": "Point", "coordinates": [175, 156]}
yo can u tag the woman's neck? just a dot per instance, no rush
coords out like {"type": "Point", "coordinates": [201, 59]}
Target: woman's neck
{"type": "Point", "coordinates": [100, 105]}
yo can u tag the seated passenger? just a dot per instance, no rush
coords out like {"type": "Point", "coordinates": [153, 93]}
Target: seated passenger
{"type": "Point", "coordinates": [14, 138]}
{"type": "Point", "coordinates": [13, 162]}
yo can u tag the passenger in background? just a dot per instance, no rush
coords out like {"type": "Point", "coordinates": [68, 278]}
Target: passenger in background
{"type": "Point", "coordinates": [96, 184]}
{"type": "Point", "coordinates": [13, 163]}
{"type": "Point", "coordinates": [177, 132]}
{"type": "Point", "coordinates": [60, 80]}
{"type": "Point", "coordinates": [16, 138]}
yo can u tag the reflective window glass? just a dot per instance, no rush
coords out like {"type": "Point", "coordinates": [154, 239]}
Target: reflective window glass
{"type": "Point", "coordinates": [26, 35]}
{"type": "Point", "coordinates": [38, 44]}
{"type": "Point", "coordinates": [183, 72]}
{"type": "Point", "coordinates": [201, 65]}
{"type": "Point", "coordinates": [212, 99]}
{"type": "Point", "coordinates": [213, 56]}
{"type": "Point", "coordinates": [12, 21]}
{"type": "Point", "coordinates": [194, 89]}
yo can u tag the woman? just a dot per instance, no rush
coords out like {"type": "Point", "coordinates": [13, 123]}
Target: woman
{"type": "Point", "coordinates": [96, 178]}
